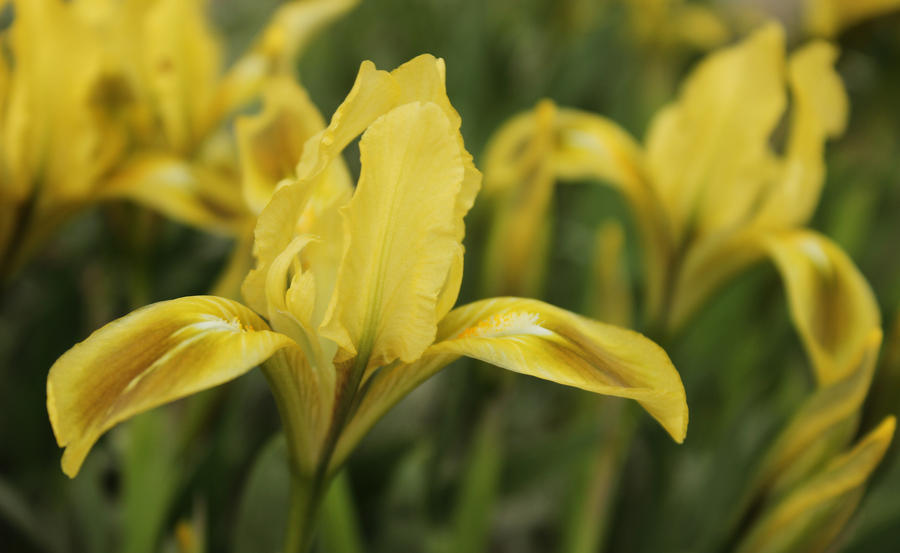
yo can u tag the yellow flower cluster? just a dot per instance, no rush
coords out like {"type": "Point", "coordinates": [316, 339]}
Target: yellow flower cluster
{"type": "Point", "coordinates": [357, 286]}
{"type": "Point", "coordinates": [349, 288]}
{"type": "Point", "coordinates": [711, 195]}
{"type": "Point", "coordinates": [113, 99]}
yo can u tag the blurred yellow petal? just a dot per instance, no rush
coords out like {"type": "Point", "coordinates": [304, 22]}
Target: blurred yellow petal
{"type": "Point", "coordinates": [610, 290]}
{"type": "Point", "coordinates": [400, 230]}
{"type": "Point", "coordinates": [699, 26]}
{"type": "Point", "coordinates": [581, 145]}
{"type": "Point", "coordinates": [4, 81]}
{"type": "Point", "coordinates": [155, 355]}
{"type": "Point", "coordinates": [536, 339]}
{"type": "Point", "coordinates": [504, 154]}
{"type": "Point", "coordinates": [830, 17]}
{"type": "Point", "coordinates": [270, 144]}
{"type": "Point", "coordinates": [819, 112]}
{"type": "Point", "coordinates": [10, 194]}
{"type": "Point", "coordinates": [31, 105]}
{"type": "Point", "coordinates": [706, 149]}
{"type": "Point", "coordinates": [669, 24]}
{"type": "Point", "coordinates": [809, 518]}
{"type": "Point", "coordinates": [823, 425]}
{"type": "Point", "coordinates": [831, 304]}
{"type": "Point", "coordinates": [291, 28]}
{"type": "Point", "coordinates": [792, 184]}
{"type": "Point", "coordinates": [240, 261]}
{"type": "Point", "coordinates": [517, 246]}
{"type": "Point", "coordinates": [708, 264]}
{"type": "Point", "coordinates": [590, 146]}
{"type": "Point", "coordinates": [57, 129]}
{"type": "Point", "coordinates": [181, 61]}
{"type": "Point", "coordinates": [181, 190]}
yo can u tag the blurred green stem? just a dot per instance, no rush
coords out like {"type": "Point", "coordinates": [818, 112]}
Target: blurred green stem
{"type": "Point", "coordinates": [141, 238]}
{"type": "Point", "coordinates": [302, 515]}
{"type": "Point", "coordinates": [28, 234]}
{"type": "Point", "coordinates": [150, 479]}
{"type": "Point", "coordinates": [340, 527]}
{"type": "Point", "coordinates": [596, 474]}
{"type": "Point", "coordinates": [472, 515]}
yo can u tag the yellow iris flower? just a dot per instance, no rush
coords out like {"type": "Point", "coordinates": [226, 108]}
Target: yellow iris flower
{"type": "Point", "coordinates": [708, 191]}
{"type": "Point", "coordinates": [349, 306]}
{"type": "Point", "coordinates": [109, 99]}
{"type": "Point", "coordinates": [712, 195]}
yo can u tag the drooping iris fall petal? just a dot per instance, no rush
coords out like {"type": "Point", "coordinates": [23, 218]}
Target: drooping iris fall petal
{"type": "Point", "coordinates": [152, 356]}
{"type": "Point", "coordinates": [822, 426]}
{"type": "Point", "coordinates": [809, 518]}
{"type": "Point", "coordinates": [534, 338]}
{"type": "Point", "coordinates": [179, 189]}
{"type": "Point", "coordinates": [831, 304]}
{"type": "Point", "coordinates": [541, 340]}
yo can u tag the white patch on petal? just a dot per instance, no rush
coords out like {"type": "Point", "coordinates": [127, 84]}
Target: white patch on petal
{"type": "Point", "coordinates": [817, 255]}
{"type": "Point", "coordinates": [581, 140]}
{"type": "Point", "coordinates": [212, 323]}
{"type": "Point", "coordinates": [511, 323]}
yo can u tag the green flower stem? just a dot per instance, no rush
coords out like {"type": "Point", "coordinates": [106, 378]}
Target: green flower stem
{"type": "Point", "coordinates": [302, 514]}
{"type": "Point", "coordinates": [304, 494]}
{"type": "Point", "coordinates": [340, 527]}
{"type": "Point", "coordinates": [308, 490]}
{"type": "Point", "coordinates": [309, 502]}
